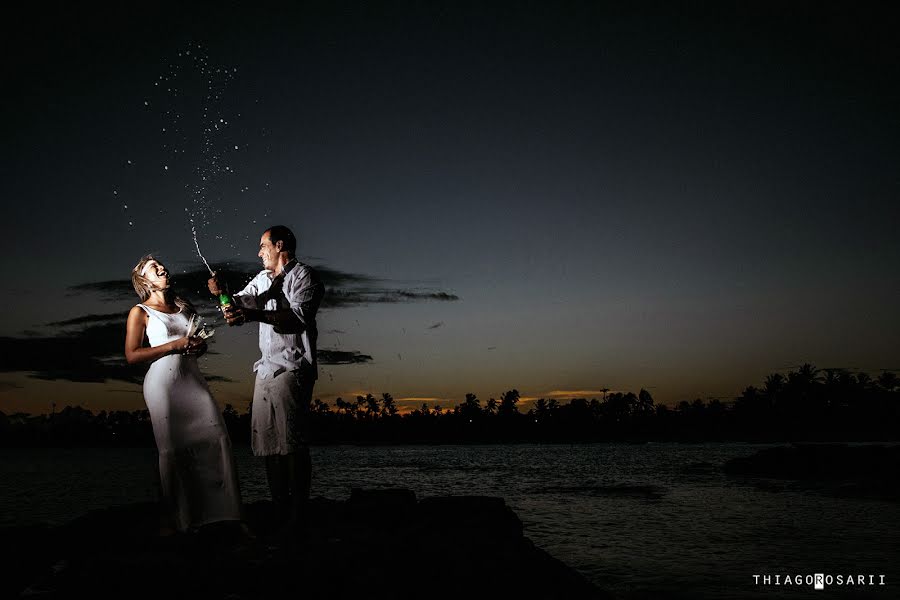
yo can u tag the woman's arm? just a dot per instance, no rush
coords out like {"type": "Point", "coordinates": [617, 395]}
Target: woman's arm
{"type": "Point", "coordinates": [134, 339]}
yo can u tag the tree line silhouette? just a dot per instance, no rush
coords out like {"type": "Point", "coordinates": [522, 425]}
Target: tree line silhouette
{"type": "Point", "coordinates": [808, 404]}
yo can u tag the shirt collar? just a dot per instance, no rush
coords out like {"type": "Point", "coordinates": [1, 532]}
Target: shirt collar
{"type": "Point", "coordinates": [288, 267]}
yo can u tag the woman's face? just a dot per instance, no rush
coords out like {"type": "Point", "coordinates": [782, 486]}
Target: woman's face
{"type": "Point", "coordinates": [157, 274]}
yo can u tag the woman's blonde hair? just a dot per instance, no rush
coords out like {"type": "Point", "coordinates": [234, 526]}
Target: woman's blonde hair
{"type": "Point", "coordinates": [143, 287]}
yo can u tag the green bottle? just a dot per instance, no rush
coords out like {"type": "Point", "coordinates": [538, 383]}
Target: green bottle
{"type": "Point", "coordinates": [225, 300]}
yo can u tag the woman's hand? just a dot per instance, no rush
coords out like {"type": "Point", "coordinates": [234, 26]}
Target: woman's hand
{"type": "Point", "coordinates": [190, 346]}
{"type": "Point", "coordinates": [135, 331]}
{"type": "Point", "coordinates": [181, 345]}
{"type": "Point", "coordinates": [197, 347]}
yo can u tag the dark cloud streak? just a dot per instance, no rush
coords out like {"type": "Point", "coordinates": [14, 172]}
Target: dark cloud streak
{"type": "Point", "coordinates": [87, 319]}
{"type": "Point", "coordinates": [93, 354]}
{"type": "Point", "coordinates": [90, 355]}
{"type": "Point", "coordinates": [343, 289]}
{"type": "Point", "coordinates": [340, 357]}
{"type": "Point", "coordinates": [340, 298]}
{"type": "Point", "coordinates": [90, 347]}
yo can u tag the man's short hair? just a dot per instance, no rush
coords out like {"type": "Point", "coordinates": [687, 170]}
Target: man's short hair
{"type": "Point", "coordinates": [280, 233]}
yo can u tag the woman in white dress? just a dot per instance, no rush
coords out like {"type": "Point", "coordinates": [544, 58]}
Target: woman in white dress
{"type": "Point", "coordinates": [196, 466]}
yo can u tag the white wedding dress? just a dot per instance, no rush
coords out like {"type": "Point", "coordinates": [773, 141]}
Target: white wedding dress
{"type": "Point", "coordinates": [196, 466]}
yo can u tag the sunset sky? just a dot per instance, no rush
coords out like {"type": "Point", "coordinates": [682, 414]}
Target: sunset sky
{"type": "Point", "coordinates": [557, 198]}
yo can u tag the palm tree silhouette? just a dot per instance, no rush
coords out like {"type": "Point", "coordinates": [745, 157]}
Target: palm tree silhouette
{"type": "Point", "coordinates": [471, 408]}
{"type": "Point", "coordinates": [388, 409]}
{"type": "Point", "coordinates": [644, 402]}
{"type": "Point", "coordinates": [774, 384]}
{"type": "Point", "coordinates": [864, 381]}
{"type": "Point", "coordinates": [360, 411]}
{"type": "Point", "coordinates": [372, 408]}
{"type": "Point", "coordinates": [888, 380]}
{"type": "Point", "coordinates": [540, 408]}
{"type": "Point", "coordinates": [808, 374]}
{"type": "Point", "coordinates": [508, 401]}
{"type": "Point", "coordinates": [343, 406]}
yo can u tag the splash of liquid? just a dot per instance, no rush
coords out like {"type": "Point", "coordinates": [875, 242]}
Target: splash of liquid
{"type": "Point", "coordinates": [197, 133]}
{"type": "Point", "coordinates": [200, 254]}
{"type": "Point", "coordinates": [213, 126]}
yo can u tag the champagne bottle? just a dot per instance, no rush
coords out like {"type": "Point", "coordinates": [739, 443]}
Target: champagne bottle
{"type": "Point", "coordinates": [225, 300]}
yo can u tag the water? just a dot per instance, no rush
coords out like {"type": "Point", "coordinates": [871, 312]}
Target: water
{"type": "Point", "coordinates": [643, 521]}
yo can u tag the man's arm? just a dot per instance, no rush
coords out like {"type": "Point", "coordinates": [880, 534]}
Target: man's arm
{"type": "Point", "coordinates": [304, 295]}
{"type": "Point", "coordinates": [246, 298]}
{"type": "Point", "coordinates": [284, 320]}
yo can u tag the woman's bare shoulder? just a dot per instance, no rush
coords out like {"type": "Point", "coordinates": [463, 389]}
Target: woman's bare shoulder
{"type": "Point", "coordinates": [137, 311]}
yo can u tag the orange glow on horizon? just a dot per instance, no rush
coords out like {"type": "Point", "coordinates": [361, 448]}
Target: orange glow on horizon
{"type": "Point", "coordinates": [580, 393]}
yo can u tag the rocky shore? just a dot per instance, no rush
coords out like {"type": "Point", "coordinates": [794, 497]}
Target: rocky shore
{"type": "Point", "coordinates": [870, 471]}
{"type": "Point", "coordinates": [376, 544]}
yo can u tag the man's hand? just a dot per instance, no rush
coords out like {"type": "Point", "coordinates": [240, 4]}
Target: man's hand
{"type": "Point", "coordinates": [214, 287]}
{"type": "Point", "coordinates": [238, 315]}
{"type": "Point", "coordinates": [234, 315]}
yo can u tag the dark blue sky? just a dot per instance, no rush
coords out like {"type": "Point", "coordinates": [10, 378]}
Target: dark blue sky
{"type": "Point", "coordinates": [559, 199]}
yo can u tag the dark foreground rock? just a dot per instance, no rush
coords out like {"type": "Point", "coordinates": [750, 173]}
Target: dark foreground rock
{"type": "Point", "coordinates": [865, 471]}
{"type": "Point", "coordinates": [377, 544]}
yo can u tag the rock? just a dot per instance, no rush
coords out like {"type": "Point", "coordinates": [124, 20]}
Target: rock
{"type": "Point", "coordinates": [867, 471]}
{"type": "Point", "coordinates": [378, 544]}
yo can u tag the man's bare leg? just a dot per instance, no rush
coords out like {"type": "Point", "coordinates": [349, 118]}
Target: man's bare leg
{"type": "Point", "coordinates": [279, 484]}
{"type": "Point", "coordinates": [300, 480]}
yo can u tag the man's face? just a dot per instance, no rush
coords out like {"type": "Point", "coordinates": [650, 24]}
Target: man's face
{"type": "Point", "coordinates": [268, 252]}
{"type": "Point", "coordinates": [157, 274]}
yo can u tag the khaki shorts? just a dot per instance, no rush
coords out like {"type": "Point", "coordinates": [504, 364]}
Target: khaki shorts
{"type": "Point", "coordinates": [280, 412]}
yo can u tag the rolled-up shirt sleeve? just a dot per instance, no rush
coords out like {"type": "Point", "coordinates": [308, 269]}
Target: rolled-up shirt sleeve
{"type": "Point", "coordinates": [305, 295]}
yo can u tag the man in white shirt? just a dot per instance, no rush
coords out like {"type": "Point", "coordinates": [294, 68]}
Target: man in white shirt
{"type": "Point", "coordinates": [283, 298]}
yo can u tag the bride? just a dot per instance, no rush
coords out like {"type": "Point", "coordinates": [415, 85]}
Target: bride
{"type": "Point", "coordinates": [196, 467]}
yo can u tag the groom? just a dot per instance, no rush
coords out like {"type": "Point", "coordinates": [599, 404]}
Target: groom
{"type": "Point", "coordinates": [283, 298]}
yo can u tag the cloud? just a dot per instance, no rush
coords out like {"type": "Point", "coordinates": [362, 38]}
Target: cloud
{"type": "Point", "coordinates": [579, 393]}
{"type": "Point", "coordinates": [410, 403]}
{"type": "Point", "coordinates": [90, 354]}
{"type": "Point", "coordinates": [419, 399]}
{"type": "Point", "coordinates": [89, 348]}
{"type": "Point", "coordinates": [94, 354]}
{"type": "Point", "coordinates": [87, 319]}
{"type": "Point", "coordinates": [118, 289]}
{"type": "Point", "coordinates": [342, 288]}
{"type": "Point", "coordinates": [338, 298]}
{"type": "Point", "coordinates": [340, 357]}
